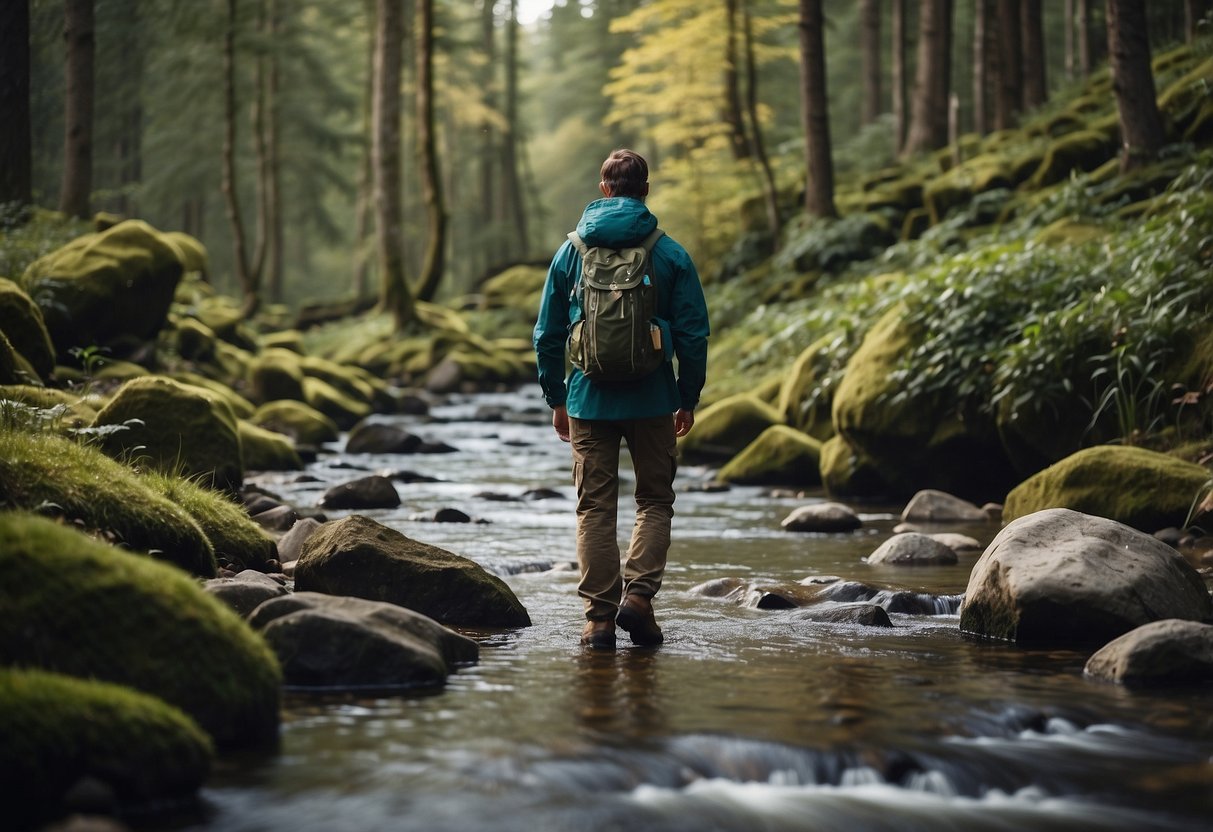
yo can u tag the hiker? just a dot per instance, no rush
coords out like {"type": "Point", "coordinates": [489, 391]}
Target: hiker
{"type": "Point", "coordinates": [622, 388]}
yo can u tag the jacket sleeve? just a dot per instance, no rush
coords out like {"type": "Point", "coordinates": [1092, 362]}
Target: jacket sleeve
{"type": "Point", "coordinates": [552, 326]}
{"type": "Point", "coordinates": [689, 322]}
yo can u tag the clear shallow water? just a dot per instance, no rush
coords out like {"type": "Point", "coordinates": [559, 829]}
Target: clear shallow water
{"type": "Point", "coordinates": [745, 719]}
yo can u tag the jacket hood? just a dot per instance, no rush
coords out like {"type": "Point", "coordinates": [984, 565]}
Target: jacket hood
{"type": "Point", "coordinates": [615, 222]}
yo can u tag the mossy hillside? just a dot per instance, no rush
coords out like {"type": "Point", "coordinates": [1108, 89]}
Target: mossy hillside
{"type": "Point", "coordinates": [722, 430]}
{"type": "Point", "coordinates": [76, 606]}
{"type": "Point", "coordinates": [176, 428]}
{"type": "Point", "coordinates": [105, 288]}
{"type": "Point", "coordinates": [53, 475]}
{"type": "Point", "coordinates": [298, 420]}
{"type": "Point", "coordinates": [779, 456]}
{"type": "Point", "coordinates": [233, 535]}
{"type": "Point", "coordinates": [21, 322]}
{"type": "Point", "coordinates": [1140, 488]}
{"type": "Point", "coordinates": [266, 450]}
{"type": "Point", "coordinates": [58, 730]}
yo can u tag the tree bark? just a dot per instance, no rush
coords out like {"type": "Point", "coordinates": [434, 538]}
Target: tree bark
{"type": "Point", "coordinates": [1035, 88]}
{"type": "Point", "coordinates": [738, 142]}
{"type": "Point", "coordinates": [16, 148]}
{"type": "Point", "coordinates": [1082, 22]}
{"type": "Point", "coordinates": [1010, 66]}
{"type": "Point", "coordinates": [1191, 18]}
{"type": "Point", "coordinates": [932, 81]}
{"type": "Point", "coordinates": [230, 185]}
{"type": "Point", "coordinates": [489, 153]}
{"type": "Point", "coordinates": [79, 38]}
{"type": "Point", "coordinates": [981, 65]}
{"type": "Point", "coordinates": [898, 76]}
{"type": "Point", "coordinates": [770, 195]}
{"type": "Point", "coordinates": [513, 202]}
{"type": "Point", "coordinates": [869, 47]}
{"type": "Point", "coordinates": [1069, 60]}
{"type": "Point", "coordinates": [277, 253]}
{"type": "Point", "coordinates": [1141, 129]}
{"type": "Point", "coordinates": [431, 179]}
{"type": "Point", "coordinates": [394, 296]}
{"type": "Point", "coordinates": [814, 112]}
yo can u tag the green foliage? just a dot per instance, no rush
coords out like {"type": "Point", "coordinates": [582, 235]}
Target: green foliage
{"type": "Point", "coordinates": [26, 235]}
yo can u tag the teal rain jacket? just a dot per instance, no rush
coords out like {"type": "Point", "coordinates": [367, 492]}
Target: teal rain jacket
{"type": "Point", "coordinates": [619, 222]}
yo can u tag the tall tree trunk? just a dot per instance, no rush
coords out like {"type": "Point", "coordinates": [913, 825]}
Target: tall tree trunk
{"type": "Point", "coordinates": [364, 202]}
{"type": "Point", "coordinates": [732, 85]}
{"type": "Point", "coordinates": [276, 243]}
{"type": "Point", "coordinates": [231, 191]}
{"type": "Point", "coordinates": [395, 296]}
{"type": "Point", "coordinates": [1069, 60]}
{"type": "Point", "coordinates": [1141, 129]}
{"type": "Point", "coordinates": [513, 201]}
{"type": "Point", "coordinates": [932, 81]}
{"type": "Point", "coordinates": [259, 129]}
{"type": "Point", "coordinates": [127, 113]}
{"type": "Point", "coordinates": [1035, 88]}
{"type": "Point", "coordinates": [80, 40]}
{"type": "Point", "coordinates": [814, 112]}
{"type": "Point", "coordinates": [431, 178]}
{"type": "Point", "coordinates": [770, 195]}
{"type": "Point", "coordinates": [981, 65]}
{"type": "Point", "coordinates": [1191, 18]}
{"type": "Point", "coordinates": [898, 77]}
{"type": "Point", "coordinates": [16, 148]}
{"type": "Point", "coordinates": [869, 47]}
{"type": "Point", "coordinates": [489, 152]}
{"type": "Point", "coordinates": [1010, 66]}
{"type": "Point", "coordinates": [1082, 22]}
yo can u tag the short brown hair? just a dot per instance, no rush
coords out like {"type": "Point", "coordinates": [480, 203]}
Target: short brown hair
{"type": "Point", "coordinates": [626, 173]}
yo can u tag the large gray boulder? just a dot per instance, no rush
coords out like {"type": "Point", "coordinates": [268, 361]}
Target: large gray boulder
{"type": "Point", "coordinates": [245, 592]}
{"type": "Point", "coordinates": [359, 557]}
{"type": "Point", "coordinates": [932, 506]}
{"type": "Point", "coordinates": [1162, 652]}
{"type": "Point", "coordinates": [1062, 577]}
{"type": "Point", "coordinates": [912, 549]}
{"type": "Point", "coordinates": [327, 641]}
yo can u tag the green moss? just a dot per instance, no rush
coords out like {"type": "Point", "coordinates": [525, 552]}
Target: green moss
{"type": "Point", "coordinates": [13, 368]}
{"type": "Point", "coordinates": [276, 374]}
{"type": "Point", "coordinates": [241, 407]}
{"type": "Point", "coordinates": [846, 472]}
{"type": "Point", "coordinates": [232, 362]}
{"type": "Point", "coordinates": [297, 420]}
{"type": "Point", "coordinates": [76, 410]}
{"type": "Point", "coordinates": [518, 287]}
{"type": "Point", "coordinates": [192, 339]}
{"type": "Point", "coordinates": [53, 475]}
{"type": "Point", "coordinates": [1143, 489]}
{"type": "Point", "coordinates": [232, 533]}
{"type": "Point", "coordinates": [722, 430]}
{"type": "Point", "coordinates": [796, 403]}
{"type": "Point", "coordinates": [330, 401]}
{"type": "Point", "coordinates": [290, 339]}
{"type": "Point", "coordinates": [76, 606]}
{"type": "Point", "coordinates": [176, 428]}
{"type": "Point", "coordinates": [115, 369]}
{"type": "Point", "coordinates": [226, 319]}
{"type": "Point", "coordinates": [58, 730]}
{"type": "Point", "coordinates": [267, 450]}
{"type": "Point", "coordinates": [779, 456]}
{"type": "Point", "coordinates": [21, 321]}
{"type": "Point", "coordinates": [347, 380]}
{"type": "Point", "coordinates": [1085, 150]}
{"type": "Point", "coordinates": [1069, 232]}
{"type": "Point", "coordinates": [190, 251]}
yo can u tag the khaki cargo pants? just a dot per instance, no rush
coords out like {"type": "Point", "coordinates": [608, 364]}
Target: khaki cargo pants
{"type": "Point", "coordinates": [596, 444]}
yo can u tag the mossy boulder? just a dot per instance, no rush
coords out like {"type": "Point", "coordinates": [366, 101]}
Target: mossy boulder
{"type": "Point", "coordinates": [66, 409]}
{"type": "Point", "coordinates": [518, 287]}
{"type": "Point", "coordinates": [190, 251]}
{"type": "Point", "coordinates": [50, 474]}
{"type": "Point", "coordinates": [224, 316]}
{"type": "Point", "coordinates": [344, 410]}
{"type": "Point", "coordinates": [352, 381]}
{"type": "Point", "coordinates": [21, 322]}
{"type": "Point", "coordinates": [796, 402]}
{"type": "Point", "coordinates": [958, 186]}
{"type": "Point", "coordinates": [298, 420]}
{"type": "Point", "coordinates": [358, 557]}
{"type": "Point", "coordinates": [276, 374]}
{"type": "Point", "coordinates": [72, 605]}
{"type": "Point", "coordinates": [1084, 150]}
{"type": "Point", "coordinates": [241, 407]}
{"type": "Point", "coordinates": [235, 538]}
{"type": "Point", "coordinates": [175, 428]}
{"type": "Point", "coordinates": [266, 450]}
{"type": "Point", "coordinates": [14, 369]}
{"type": "Point", "coordinates": [1140, 488]}
{"type": "Point", "coordinates": [105, 288]}
{"type": "Point", "coordinates": [918, 439]}
{"type": "Point", "coordinates": [779, 456]}
{"type": "Point", "coordinates": [846, 472]}
{"type": "Point", "coordinates": [286, 339]}
{"type": "Point", "coordinates": [192, 339]}
{"type": "Point", "coordinates": [724, 429]}
{"type": "Point", "coordinates": [59, 730]}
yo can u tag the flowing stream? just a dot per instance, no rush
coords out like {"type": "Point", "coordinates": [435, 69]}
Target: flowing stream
{"type": "Point", "coordinates": [745, 719]}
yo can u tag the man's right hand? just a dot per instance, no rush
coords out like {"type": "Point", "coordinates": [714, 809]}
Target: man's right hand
{"type": "Point", "coordinates": [560, 421]}
{"type": "Point", "coordinates": [684, 420]}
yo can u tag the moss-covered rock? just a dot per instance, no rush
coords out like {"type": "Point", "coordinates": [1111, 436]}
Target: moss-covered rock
{"type": "Point", "coordinates": [226, 319]}
{"type": "Point", "coordinates": [1069, 232]}
{"type": "Point", "coordinates": [298, 420]}
{"type": "Point", "coordinates": [779, 456]}
{"type": "Point", "coordinates": [795, 404]}
{"type": "Point", "coordinates": [1181, 102]}
{"type": "Point", "coordinates": [351, 381]}
{"type": "Point", "coordinates": [914, 441]}
{"type": "Point", "coordinates": [286, 339]}
{"type": "Point", "coordinates": [1084, 150]}
{"type": "Point", "coordinates": [176, 428]}
{"type": "Point", "coordinates": [76, 606]}
{"type": "Point", "coordinates": [959, 185]}
{"type": "Point", "coordinates": [724, 429]}
{"type": "Point", "coordinates": [276, 374]}
{"type": "Point", "coordinates": [235, 538]}
{"type": "Point", "coordinates": [59, 730]}
{"type": "Point", "coordinates": [14, 369]}
{"type": "Point", "coordinates": [101, 289]}
{"type": "Point", "coordinates": [70, 410]}
{"type": "Point", "coordinates": [21, 322]}
{"type": "Point", "coordinates": [190, 251]}
{"type": "Point", "coordinates": [358, 557]}
{"type": "Point", "coordinates": [50, 474]}
{"type": "Point", "coordinates": [266, 450]}
{"type": "Point", "coordinates": [342, 409]}
{"type": "Point", "coordinates": [115, 369]}
{"type": "Point", "coordinates": [846, 472]}
{"type": "Point", "coordinates": [519, 287]}
{"type": "Point", "coordinates": [192, 339]}
{"type": "Point", "coordinates": [1143, 489]}
{"type": "Point", "coordinates": [241, 407]}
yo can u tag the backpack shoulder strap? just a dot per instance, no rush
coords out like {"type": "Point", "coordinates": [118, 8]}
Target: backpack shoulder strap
{"type": "Point", "coordinates": [577, 242]}
{"type": "Point", "coordinates": [651, 240]}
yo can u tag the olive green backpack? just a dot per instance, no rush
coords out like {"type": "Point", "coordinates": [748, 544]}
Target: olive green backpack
{"type": "Point", "coordinates": [617, 336]}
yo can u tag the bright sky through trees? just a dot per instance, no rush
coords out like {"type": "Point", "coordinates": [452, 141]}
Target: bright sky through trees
{"type": "Point", "coordinates": [530, 10]}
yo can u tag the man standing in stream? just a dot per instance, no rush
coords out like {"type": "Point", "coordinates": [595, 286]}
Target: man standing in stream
{"type": "Point", "coordinates": [618, 262]}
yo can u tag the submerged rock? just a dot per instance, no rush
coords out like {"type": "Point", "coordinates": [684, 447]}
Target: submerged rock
{"type": "Point", "coordinates": [822, 517]}
{"type": "Point", "coordinates": [1062, 577]}
{"type": "Point", "coordinates": [1162, 652]}
{"type": "Point", "coordinates": [359, 557]}
{"type": "Point", "coordinates": [912, 549]}
{"type": "Point", "coordinates": [867, 615]}
{"type": "Point", "coordinates": [329, 641]}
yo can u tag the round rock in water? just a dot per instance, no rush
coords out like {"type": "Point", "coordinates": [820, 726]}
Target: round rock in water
{"type": "Point", "coordinates": [379, 438]}
{"type": "Point", "coordinates": [367, 492]}
{"type": "Point", "coordinates": [822, 517]}
{"type": "Point", "coordinates": [931, 506]}
{"type": "Point", "coordinates": [957, 542]}
{"type": "Point", "coordinates": [867, 615]}
{"type": "Point", "coordinates": [245, 592]}
{"type": "Point", "coordinates": [912, 549]}
{"type": "Point", "coordinates": [1162, 652]}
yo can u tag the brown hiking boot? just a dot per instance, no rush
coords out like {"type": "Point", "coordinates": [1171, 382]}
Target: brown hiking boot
{"type": "Point", "coordinates": [599, 635]}
{"type": "Point", "coordinates": [636, 617]}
